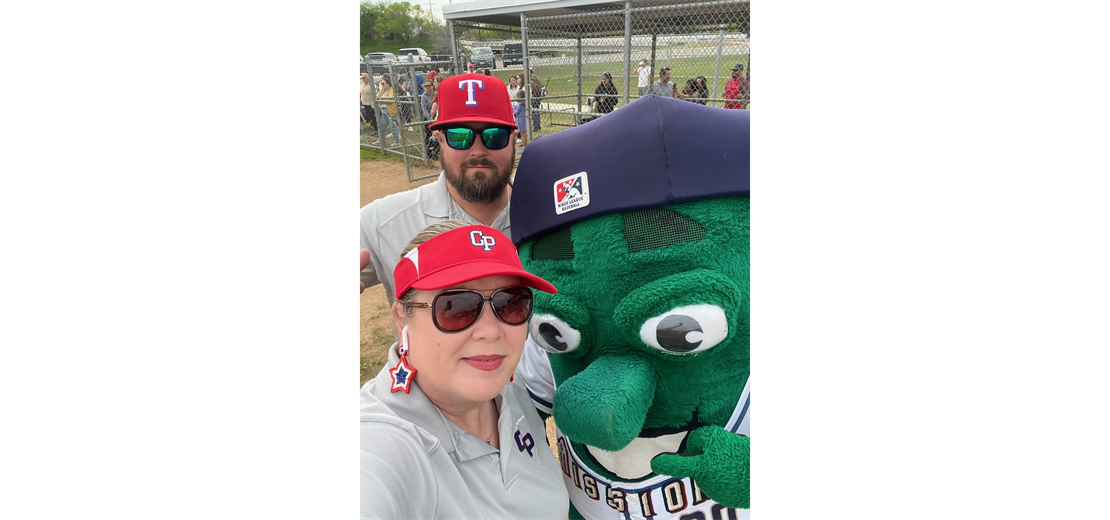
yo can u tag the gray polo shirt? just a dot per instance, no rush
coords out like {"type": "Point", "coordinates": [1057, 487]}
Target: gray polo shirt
{"type": "Point", "coordinates": [388, 224]}
{"type": "Point", "coordinates": [417, 464]}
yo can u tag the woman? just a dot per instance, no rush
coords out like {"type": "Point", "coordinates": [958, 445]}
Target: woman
{"type": "Point", "coordinates": [366, 98]}
{"type": "Point", "coordinates": [699, 91]}
{"type": "Point", "coordinates": [445, 431]}
{"type": "Point", "coordinates": [435, 99]}
{"type": "Point", "coordinates": [388, 109]}
{"type": "Point", "coordinates": [513, 87]}
{"type": "Point", "coordinates": [520, 114]}
{"type": "Point", "coordinates": [605, 95]}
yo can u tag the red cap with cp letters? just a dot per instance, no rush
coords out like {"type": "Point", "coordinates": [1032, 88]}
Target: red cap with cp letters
{"type": "Point", "coordinates": [474, 98]}
{"type": "Point", "coordinates": [459, 256]}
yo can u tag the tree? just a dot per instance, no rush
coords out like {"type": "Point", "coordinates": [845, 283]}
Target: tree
{"type": "Point", "coordinates": [404, 21]}
{"type": "Point", "coordinates": [368, 14]}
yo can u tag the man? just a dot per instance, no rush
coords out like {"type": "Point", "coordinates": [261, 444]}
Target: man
{"type": "Point", "coordinates": [665, 87]}
{"type": "Point", "coordinates": [645, 77]}
{"type": "Point", "coordinates": [476, 136]}
{"type": "Point", "coordinates": [736, 88]}
{"type": "Point", "coordinates": [427, 98]}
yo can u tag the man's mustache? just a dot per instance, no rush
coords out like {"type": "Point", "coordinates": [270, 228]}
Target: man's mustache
{"type": "Point", "coordinates": [479, 162]}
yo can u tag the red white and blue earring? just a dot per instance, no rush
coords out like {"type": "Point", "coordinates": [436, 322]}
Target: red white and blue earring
{"type": "Point", "coordinates": [403, 373]}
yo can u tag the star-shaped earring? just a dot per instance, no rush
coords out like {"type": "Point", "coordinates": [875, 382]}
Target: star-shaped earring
{"type": "Point", "coordinates": [402, 376]}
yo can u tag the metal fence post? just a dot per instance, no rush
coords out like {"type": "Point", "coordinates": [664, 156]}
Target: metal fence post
{"type": "Point", "coordinates": [454, 47]}
{"type": "Point", "coordinates": [717, 71]}
{"type": "Point", "coordinates": [578, 73]}
{"type": "Point", "coordinates": [527, 76]}
{"type": "Point", "coordinates": [627, 49]}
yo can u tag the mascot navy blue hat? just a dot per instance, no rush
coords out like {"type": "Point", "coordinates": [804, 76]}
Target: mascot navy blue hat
{"type": "Point", "coordinates": [653, 152]}
{"type": "Point", "coordinates": [641, 218]}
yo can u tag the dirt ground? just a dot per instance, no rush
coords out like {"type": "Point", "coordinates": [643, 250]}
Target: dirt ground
{"type": "Point", "coordinates": [378, 179]}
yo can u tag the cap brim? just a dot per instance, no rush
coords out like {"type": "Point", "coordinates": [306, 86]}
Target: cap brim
{"type": "Point", "coordinates": [474, 270]}
{"type": "Point", "coordinates": [475, 119]}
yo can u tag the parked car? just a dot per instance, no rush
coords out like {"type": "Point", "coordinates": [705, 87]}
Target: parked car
{"type": "Point", "coordinates": [377, 61]}
{"type": "Point", "coordinates": [512, 53]}
{"type": "Point", "coordinates": [414, 55]}
{"type": "Point", "coordinates": [482, 58]}
{"type": "Point", "coordinates": [361, 65]}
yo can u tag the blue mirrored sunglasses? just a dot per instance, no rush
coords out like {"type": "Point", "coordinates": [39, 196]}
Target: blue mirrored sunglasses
{"type": "Point", "coordinates": [494, 138]}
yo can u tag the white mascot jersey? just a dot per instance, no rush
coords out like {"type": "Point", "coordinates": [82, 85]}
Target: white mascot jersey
{"type": "Point", "coordinates": [660, 497]}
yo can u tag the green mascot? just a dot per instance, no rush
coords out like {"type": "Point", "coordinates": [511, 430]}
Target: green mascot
{"type": "Point", "coordinates": [641, 220]}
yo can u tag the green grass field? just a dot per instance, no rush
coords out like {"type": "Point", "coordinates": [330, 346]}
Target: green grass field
{"type": "Point", "coordinates": [560, 79]}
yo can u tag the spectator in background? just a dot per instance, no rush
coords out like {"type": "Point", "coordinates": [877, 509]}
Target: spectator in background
{"type": "Point", "coordinates": [665, 87]}
{"type": "Point", "coordinates": [736, 88]}
{"type": "Point", "coordinates": [486, 72]}
{"type": "Point", "coordinates": [520, 114]}
{"type": "Point", "coordinates": [645, 77]}
{"type": "Point", "coordinates": [361, 122]}
{"type": "Point", "coordinates": [426, 100]}
{"type": "Point", "coordinates": [388, 111]}
{"type": "Point", "coordinates": [513, 87]}
{"type": "Point", "coordinates": [436, 79]}
{"type": "Point", "coordinates": [537, 95]}
{"type": "Point", "coordinates": [366, 101]}
{"type": "Point", "coordinates": [699, 91]}
{"type": "Point", "coordinates": [405, 95]}
{"type": "Point", "coordinates": [605, 95]}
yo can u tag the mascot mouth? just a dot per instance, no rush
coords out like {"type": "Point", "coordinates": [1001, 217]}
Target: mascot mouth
{"type": "Point", "coordinates": [633, 462]}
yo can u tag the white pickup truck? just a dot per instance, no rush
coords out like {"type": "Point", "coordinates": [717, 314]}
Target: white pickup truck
{"type": "Point", "coordinates": [414, 55]}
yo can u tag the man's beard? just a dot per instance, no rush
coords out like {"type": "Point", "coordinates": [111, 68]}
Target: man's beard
{"type": "Point", "coordinates": [479, 191]}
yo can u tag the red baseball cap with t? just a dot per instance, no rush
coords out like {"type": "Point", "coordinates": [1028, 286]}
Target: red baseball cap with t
{"type": "Point", "coordinates": [474, 98]}
{"type": "Point", "coordinates": [459, 256]}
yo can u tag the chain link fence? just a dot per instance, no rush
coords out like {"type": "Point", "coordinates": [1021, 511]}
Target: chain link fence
{"type": "Point", "coordinates": [573, 65]}
{"type": "Point", "coordinates": [584, 64]}
{"type": "Point", "coordinates": [396, 120]}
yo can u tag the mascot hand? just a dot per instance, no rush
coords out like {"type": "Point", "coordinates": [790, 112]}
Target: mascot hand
{"type": "Point", "coordinates": [717, 460]}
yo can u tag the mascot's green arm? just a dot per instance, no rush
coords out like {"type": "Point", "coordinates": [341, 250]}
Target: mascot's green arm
{"type": "Point", "coordinates": [717, 460]}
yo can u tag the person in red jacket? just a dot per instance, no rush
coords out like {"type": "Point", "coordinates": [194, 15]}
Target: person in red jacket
{"type": "Point", "coordinates": [736, 89]}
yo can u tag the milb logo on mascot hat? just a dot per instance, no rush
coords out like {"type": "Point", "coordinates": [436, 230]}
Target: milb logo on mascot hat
{"type": "Point", "coordinates": [474, 98]}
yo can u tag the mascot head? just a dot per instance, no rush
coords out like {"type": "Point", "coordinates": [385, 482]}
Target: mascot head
{"type": "Point", "coordinates": [641, 219]}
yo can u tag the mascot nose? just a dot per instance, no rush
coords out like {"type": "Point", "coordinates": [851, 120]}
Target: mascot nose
{"type": "Point", "coordinates": [605, 405]}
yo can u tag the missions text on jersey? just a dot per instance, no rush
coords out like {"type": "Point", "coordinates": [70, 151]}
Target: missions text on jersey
{"type": "Point", "coordinates": [658, 498]}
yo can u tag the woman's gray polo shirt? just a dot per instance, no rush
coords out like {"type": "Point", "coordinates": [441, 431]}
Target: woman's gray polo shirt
{"type": "Point", "coordinates": [417, 464]}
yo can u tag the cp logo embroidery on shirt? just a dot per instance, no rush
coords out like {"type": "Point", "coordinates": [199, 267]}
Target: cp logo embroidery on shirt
{"type": "Point", "coordinates": [477, 239]}
{"type": "Point", "coordinates": [525, 443]}
{"type": "Point", "coordinates": [468, 84]}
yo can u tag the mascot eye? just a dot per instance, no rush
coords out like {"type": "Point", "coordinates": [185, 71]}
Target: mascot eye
{"type": "Point", "coordinates": [553, 334]}
{"type": "Point", "coordinates": [686, 330]}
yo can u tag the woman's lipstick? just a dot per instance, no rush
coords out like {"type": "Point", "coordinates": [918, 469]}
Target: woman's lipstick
{"type": "Point", "coordinates": [485, 362]}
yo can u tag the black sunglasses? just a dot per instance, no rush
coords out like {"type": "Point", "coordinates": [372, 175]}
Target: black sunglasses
{"type": "Point", "coordinates": [460, 138]}
{"type": "Point", "coordinates": [456, 310]}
